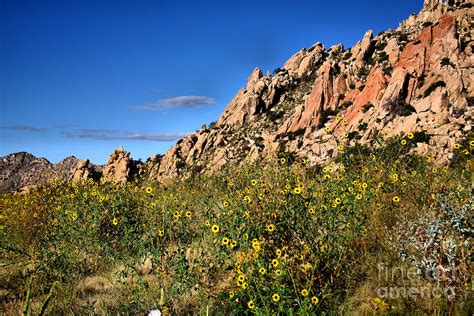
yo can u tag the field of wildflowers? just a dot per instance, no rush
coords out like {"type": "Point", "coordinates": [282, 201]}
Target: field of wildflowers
{"type": "Point", "coordinates": [375, 231]}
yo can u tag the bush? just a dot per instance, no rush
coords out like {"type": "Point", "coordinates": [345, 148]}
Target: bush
{"type": "Point", "coordinates": [446, 62]}
{"type": "Point", "coordinates": [276, 71]}
{"type": "Point", "coordinates": [274, 115]}
{"type": "Point", "coordinates": [295, 134]}
{"type": "Point", "coordinates": [407, 110]}
{"type": "Point", "coordinates": [273, 237]}
{"type": "Point", "coordinates": [354, 135]}
{"type": "Point", "coordinates": [363, 126]}
{"type": "Point", "coordinates": [325, 114]}
{"type": "Point", "coordinates": [363, 72]}
{"type": "Point", "coordinates": [388, 70]}
{"type": "Point", "coordinates": [367, 107]}
{"type": "Point", "coordinates": [421, 137]}
{"type": "Point", "coordinates": [382, 57]}
{"type": "Point", "coordinates": [345, 105]}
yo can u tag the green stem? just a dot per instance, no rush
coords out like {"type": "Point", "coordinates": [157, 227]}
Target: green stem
{"type": "Point", "coordinates": [27, 299]}
{"type": "Point", "coordinates": [48, 298]}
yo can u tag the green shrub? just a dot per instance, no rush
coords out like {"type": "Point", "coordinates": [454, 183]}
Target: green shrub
{"type": "Point", "coordinates": [367, 107]}
{"type": "Point", "coordinates": [446, 62]}
{"type": "Point", "coordinates": [421, 137]}
{"type": "Point", "coordinates": [363, 72]}
{"type": "Point", "coordinates": [320, 234]}
{"type": "Point", "coordinates": [407, 110]}
{"type": "Point", "coordinates": [325, 114]}
{"type": "Point", "coordinates": [345, 105]}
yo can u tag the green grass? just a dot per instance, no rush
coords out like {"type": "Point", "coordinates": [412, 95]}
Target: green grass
{"type": "Point", "coordinates": [291, 239]}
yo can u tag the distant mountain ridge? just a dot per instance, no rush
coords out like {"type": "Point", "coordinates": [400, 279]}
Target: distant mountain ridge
{"type": "Point", "coordinates": [416, 80]}
{"type": "Point", "coordinates": [21, 170]}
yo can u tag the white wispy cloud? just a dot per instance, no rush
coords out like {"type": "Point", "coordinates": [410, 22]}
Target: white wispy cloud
{"type": "Point", "coordinates": [185, 101]}
{"type": "Point", "coordinates": [26, 128]}
{"type": "Point", "coordinates": [114, 134]}
{"type": "Point", "coordinates": [99, 133]}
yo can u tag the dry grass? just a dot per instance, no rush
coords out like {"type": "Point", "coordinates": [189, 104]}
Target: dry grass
{"type": "Point", "coordinates": [320, 234]}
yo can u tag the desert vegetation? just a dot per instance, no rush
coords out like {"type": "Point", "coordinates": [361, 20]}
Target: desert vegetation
{"type": "Point", "coordinates": [377, 230]}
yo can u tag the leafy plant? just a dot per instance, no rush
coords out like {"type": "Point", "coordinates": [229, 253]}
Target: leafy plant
{"type": "Point", "coordinates": [275, 237]}
{"type": "Point", "coordinates": [367, 107]}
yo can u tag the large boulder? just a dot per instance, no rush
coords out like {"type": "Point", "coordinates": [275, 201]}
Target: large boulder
{"type": "Point", "coordinates": [118, 167]}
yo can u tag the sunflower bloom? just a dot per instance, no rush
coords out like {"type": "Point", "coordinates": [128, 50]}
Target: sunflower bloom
{"type": "Point", "coordinates": [225, 241]}
{"type": "Point", "coordinates": [271, 227]}
{"type": "Point", "coordinates": [275, 263]}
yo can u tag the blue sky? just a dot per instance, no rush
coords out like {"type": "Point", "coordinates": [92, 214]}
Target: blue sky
{"type": "Point", "coordinates": [84, 77]}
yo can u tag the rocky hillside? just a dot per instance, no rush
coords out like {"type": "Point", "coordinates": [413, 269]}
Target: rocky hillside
{"type": "Point", "coordinates": [416, 80]}
{"type": "Point", "coordinates": [20, 170]}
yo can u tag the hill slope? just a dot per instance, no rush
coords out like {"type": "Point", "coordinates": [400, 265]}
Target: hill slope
{"type": "Point", "coordinates": [21, 170]}
{"type": "Point", "coordinates": [415, 79]}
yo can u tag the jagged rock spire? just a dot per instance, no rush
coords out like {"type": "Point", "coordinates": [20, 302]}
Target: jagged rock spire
{"type": "Point", "coordinates": [431, 4]}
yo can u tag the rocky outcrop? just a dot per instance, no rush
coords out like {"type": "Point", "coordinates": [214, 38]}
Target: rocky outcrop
{"type": "Point", "coordinates": [22, 170]}
{"type": "Point", "coordinates": [82, 170]}
{"type": "Point", "coordinates": [416, 78]}
{"type": "Point", "coordinates": [320, 99]}
{"type": "Point", "coordinates": [85, 170]}
{"type": "Point", "coordinates": [119, 166]}
{"type": "Point", "coordinates": [303, 62]}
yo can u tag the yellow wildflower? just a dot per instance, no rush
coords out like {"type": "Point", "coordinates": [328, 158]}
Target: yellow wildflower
{"type": "Point", "coordinates": [275, 297]}
{"type": "Point", "coordinates": [225, 241]}
{"type": "Point", "coordinates": [275, 263]}
{"type": "Point", "coordinates": [271, 227]}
